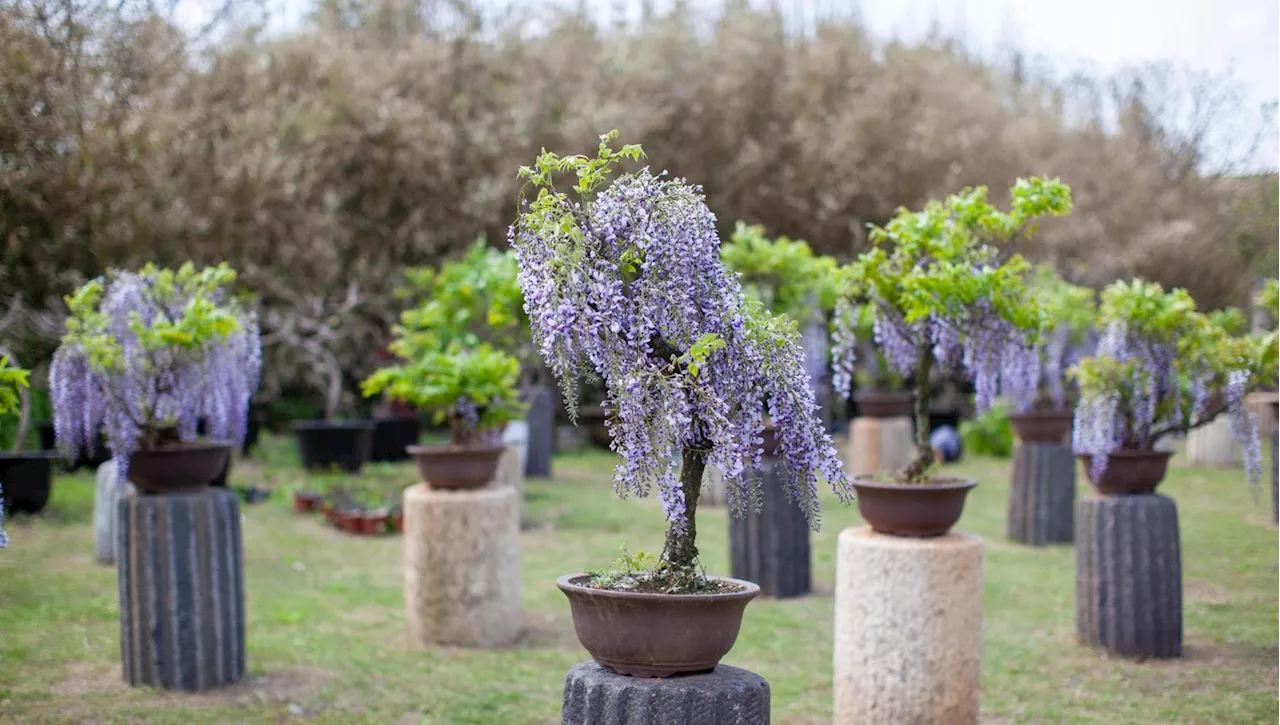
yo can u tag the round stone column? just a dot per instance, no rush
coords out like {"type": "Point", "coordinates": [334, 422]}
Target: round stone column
{"type": "Point", "coordinates": [1042, 495]}
{"type": "Point", "coordinates": [511, 473]}
{"type": "Point", "coordinates": [181, 576]}
{"type": "Point", "coordinates": [462, 566]}
{"type": "Point", "coordinates": [908, 629]}
{"type": "Point", "coordinates": [1214, 445]}
{"type": "Point", "coordinates": [595, 695]}
{"type": "Point", "coordinates": [540, 443]}
{"type": "Point", "coordinates": [879, 445]}
{"type": "Point", "coordinates": [106, 501]}
{"type": "Point", "coordinates": [771, 547]}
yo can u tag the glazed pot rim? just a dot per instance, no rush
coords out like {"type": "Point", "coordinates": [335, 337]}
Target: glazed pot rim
{"type": "Point", "coordinates": [445, 448]}
{"type": "Point", "coordinates": [567, 583]}
{"type": "Point", "coordinates": [942, 484]}
{"type": "Point", "coordinates": [1127, 453]}
{"type": "Point", "coordinates": [48, 453]}
{"type": "Point", "coordinates": [171, 449]}
{"type": "Point", "coordinates": [353, 424]}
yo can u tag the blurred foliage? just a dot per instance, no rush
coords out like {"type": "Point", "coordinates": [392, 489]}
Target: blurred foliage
{"type": "Point", "coordinates": [989, 433]}
{"type": "Point", "coordinates": [783, 274]}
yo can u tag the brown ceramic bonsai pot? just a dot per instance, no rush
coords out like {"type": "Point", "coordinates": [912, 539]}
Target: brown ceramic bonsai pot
{"type": "Point", "coordinates": [656, 635]}
{"type": "Point", "coordinates": [1129, 472]}
{"type": "Point", "coordinates": [883, 405]}
{"type": "Point", "coordinates": [456, 466]}
{"type": "Point", "coordinates": [305, 501]}
{"type": "Point", "coordinates": [912, 509]}
{"type": "Point", "coordinates": [372, 522]}
{"type": "Point", "coordinates": [179, 467]}
{"type": "Point", "coordinates": [1042, 426]}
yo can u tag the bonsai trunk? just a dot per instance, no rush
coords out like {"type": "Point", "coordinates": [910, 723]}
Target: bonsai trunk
{"type": "Point", "coordinates": [680, 550]}
{"type": "Point", "coordinates": [333, 397]}
{"type": "Point", "coordinates": [924, 451]}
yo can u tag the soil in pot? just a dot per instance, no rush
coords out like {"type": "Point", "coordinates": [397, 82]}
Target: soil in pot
{"type": "Point", "coordinates": [457, 466]}
{"type": "Point", "coordinates": [305, 501]}
{"type": "Point", "coordinates": [883, 405]}
{"type": "Point", "coordinates": [1128, 472]}
{"type": "Point", "coordinates": [179, 467]}
{"type": "Point", "coordinates": [656, 635]}
{"type": "Point", "coordinates": [391, 436]}
{"type": "Point", "coordinates": [325, 444]}
{"type": "Point", "coordinates": [1042, 426]}
{"type": "Point", "coordinates": [912, 509]}
{"type": "Point", "coordinates": [27, 479]}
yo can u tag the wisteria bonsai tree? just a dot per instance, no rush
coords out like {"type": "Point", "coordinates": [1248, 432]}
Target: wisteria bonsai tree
{"type": "Point", "coordinates": [13, 390]}
{"type": "Point", "coordinates": [150, 355]}
{"type": "Point", "coordinates": [1161, 369]}
{"type": "Point", "coordinates": [625, 280]}
{"type": "Point", "coordinates": [473, 390]}
{"type": "Point", "coordinates": [1067, 314]}
{"type": "Point", "coordinates": [944, 295]}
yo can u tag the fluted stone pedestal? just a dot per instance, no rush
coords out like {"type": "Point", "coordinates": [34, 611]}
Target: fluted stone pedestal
{"type": "Point", "coordinates": [714, 492]}
{"type": "Point", "coordinates": [1275, 476]}
{"type": "Point", "coordinates": [106, 499]}
{"type": "Point", "coordinates": [595, 695]}
{"type": "Point", "coordinates": [541, 418]}
{"type": "Point", "coordinates": [462, 566]}
{"type": "Point", "coordinates": [181, 577]}
{"type": "Point", "coordinates": [908, 629]}
{"type": "Point", "coordinates": [1129, 575]}
{"type": "Point", "coordinates": [879, 445]}
{"type": "Point", "coordinates": [771, 547]}
{"type": "Point", "coordinates": [1214, 445]}
{"type": "Point", "coordinates": [1042, 497]}
{"type": "Point", "coordinates": [511, 473]}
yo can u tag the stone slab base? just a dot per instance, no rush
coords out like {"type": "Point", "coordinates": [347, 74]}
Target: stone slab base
{"type": "Point", "coordinates": [879, 445]}
{"type": "Point", "coordinates": [1129, 575]}
{"type": "Point", "coordinates": [181, 579]}
{"type": "Point", "coordinates": [771, 548]}
{"type": "Point", "coordinates": [1042, 495]}
{"type": "Point", "coordinates": [908, 629]}
{"type": "Point", "coordinates": [595, 695]}
{"type": "Point", "coordinates": [462, 566]}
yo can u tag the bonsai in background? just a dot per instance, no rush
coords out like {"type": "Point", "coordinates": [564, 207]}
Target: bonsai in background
{"type": "Point", "coordinates": [881, 390]}
{"type": "Point", "coordinates": [474, 391]}
{"type": "Point", "coordinates": [1041, 405]}
{"type": "Point", "coordinates": [626, 281]}
{"type": "Point", "coordinates": [27, 475]}
{"type": "Point", "coordinates": [13, 390]}
{"type": "Point", "coordinates": [943, 296]}
{"type": "Point", "coordinates": [150, 356]}
{"type": "Point", "coordinates": [1161, 369]}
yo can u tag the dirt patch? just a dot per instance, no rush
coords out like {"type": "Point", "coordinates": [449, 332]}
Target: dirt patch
{"type": "Point", "coordinates": [548, 631]}
{"type": "Point", "coordinates": [1202, 592]}
{"type": "Point", "coordinates": [84, 679]}
{"type": "Point", "coordinates": [294, 686]}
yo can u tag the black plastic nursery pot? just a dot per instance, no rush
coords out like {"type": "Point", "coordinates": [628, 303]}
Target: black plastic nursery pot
{"type": "Point", "coordinates": [101, 454]}
{"type": "Point", "coordinates": [346, 444]}
{"type": "Point", "coordinates": [392, 435]}
{"type": "Point", "coordinates": [27, 479]}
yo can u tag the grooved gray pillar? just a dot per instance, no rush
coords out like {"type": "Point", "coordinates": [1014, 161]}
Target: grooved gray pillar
{"type": "Point", "coordinates": [181, 578]}
{"type": "Point", "coordinates": [771, 548]}
{"type": "Point", "coordinates": [594, 695]}
{"type": "Point", "coordinates": [542, 431]}
{"type": "Point", "coordinates": [1275, 476]}
{"type": "Point", "coordinates": [106, 500]}
{"type": "Point", "coordinates": [1042, 497]}
{"type": "Point", "coordinates": [1129, 575]}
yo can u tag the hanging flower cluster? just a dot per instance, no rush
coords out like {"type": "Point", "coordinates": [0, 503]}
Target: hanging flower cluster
{"type": "Point", "coordinates": [1162, 368]}
{"type": "Point", "coordinates": [150, 355]}
{"type": "Point", "coordinates": [943, 296]}
{"type": "Point", "coordinates": [626, 283]}
{"type": "Point", "coordinates": [1066, 318]}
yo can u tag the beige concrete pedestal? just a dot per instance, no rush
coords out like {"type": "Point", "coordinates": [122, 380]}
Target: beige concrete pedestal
{"type": "Point", "coordinates": [879, 445]}
{"type": "Point", "coordinates": [511, 473]}
{"type": "Point", "coordinates": [462, 566]}
{"type": "Point", "coordinates": [1214, 445]}
{"type": "Point", "coordinates": [908, 629]}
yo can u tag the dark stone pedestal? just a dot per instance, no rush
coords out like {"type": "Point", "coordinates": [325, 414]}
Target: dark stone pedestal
{"type": "Point", "coordinates": [1043, 494]}
{"type": "Point", "coordinates": [542, 432]}
{"type": "Point", "coordinates": [1129, 575]}
{"type": "Point", "coordinates": [181, 582]}
{"type": "Point", "coordinates": [595, 695]}
{"type": "Point", "coordinates": [1275, 476]}
{"type": "Point", "coordinates": [771, 548]}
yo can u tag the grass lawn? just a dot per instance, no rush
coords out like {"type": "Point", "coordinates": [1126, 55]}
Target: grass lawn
{"type": "Point", "coordinates": [326, 639]}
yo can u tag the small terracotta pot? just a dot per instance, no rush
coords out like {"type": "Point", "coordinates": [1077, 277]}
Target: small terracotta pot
{"type": "Point", "coordinates": [178, 468]}
{"type": "Point", "coordinates": [656, 635]}
{"type": "Point", "coordinates": [305, 501]}
{"type": "Point", "coordinates": [351, 522]}
{"type": "Point", "coordinates": [1042, 426]}
{"type": "Point", "coordinates": [372, 522]}
{"type": "Point", "coordinates": [455, 466]}
{"type": "Point", "coordinates": [883, 405]}
{"type": "Point", "coordinates": [912, 509]}
{"type": "Point", "coordinates": [1129, 472]}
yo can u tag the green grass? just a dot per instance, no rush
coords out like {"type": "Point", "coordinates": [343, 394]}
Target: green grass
{"type": "Point", "coordinates": [327, 638]}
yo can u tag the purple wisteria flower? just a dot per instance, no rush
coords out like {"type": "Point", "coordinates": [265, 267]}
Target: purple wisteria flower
{"type": "Point", "coordinates": [150, 355]}
{"type": "Point", "coordinates": [627, 284]}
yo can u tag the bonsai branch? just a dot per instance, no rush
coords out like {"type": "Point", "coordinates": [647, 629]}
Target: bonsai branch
{"type": "Point", "coordinates": [924, 451]}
